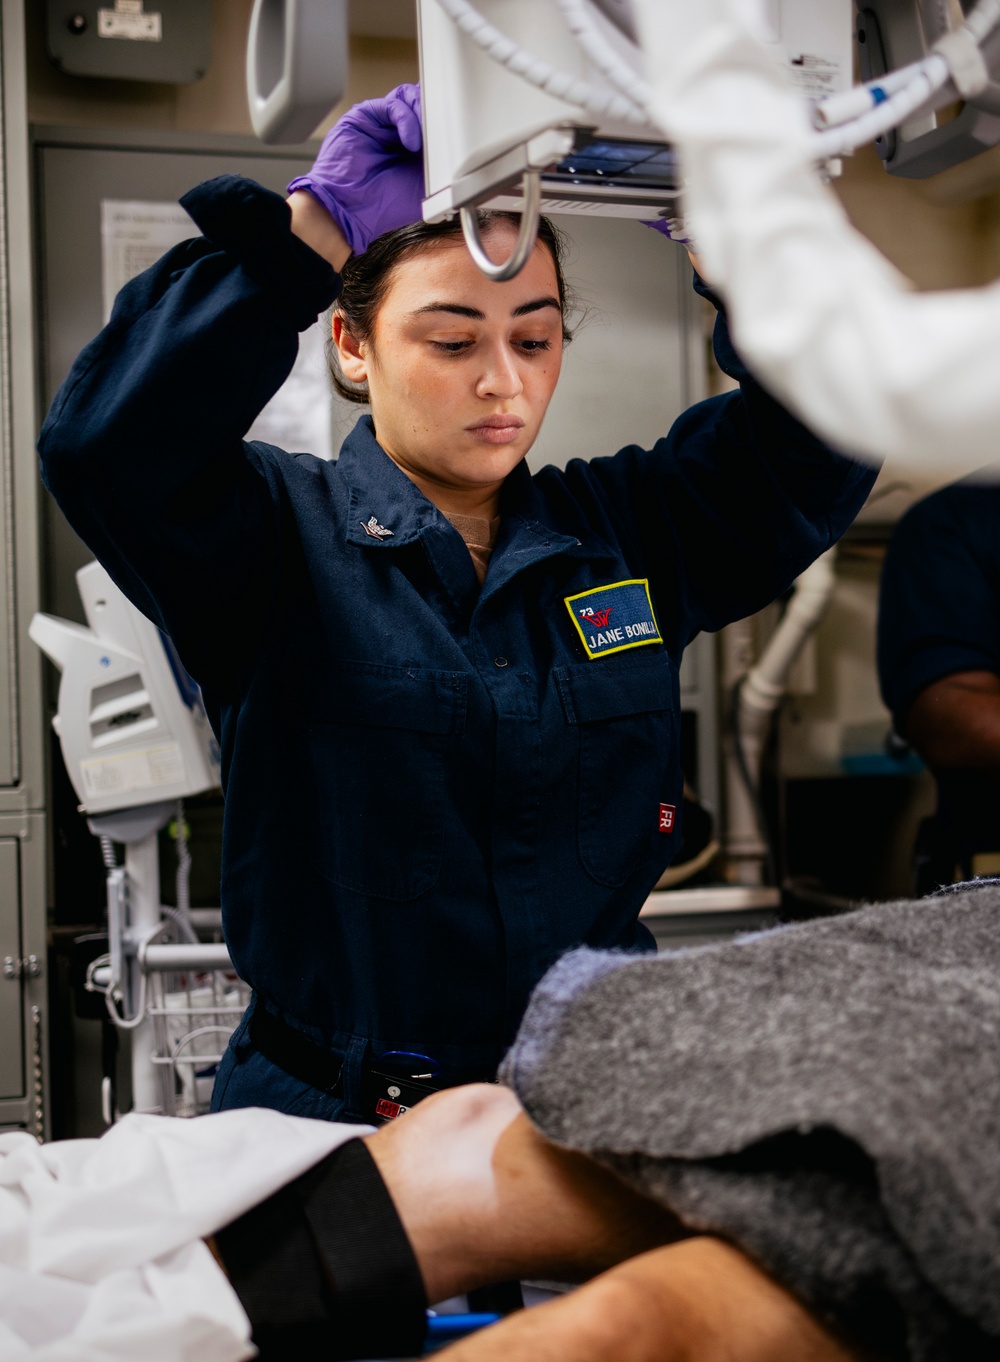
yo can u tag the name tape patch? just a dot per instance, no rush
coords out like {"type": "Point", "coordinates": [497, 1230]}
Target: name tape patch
{"type": "Point", "coordinates": [610, 619]}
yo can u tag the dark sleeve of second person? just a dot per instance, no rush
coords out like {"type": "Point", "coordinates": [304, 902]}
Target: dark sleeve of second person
{"type": "Point", "coordinates": [143, 447]}
{"type": "Point", "coordinates": [729, 507]}
{"type": "Point", "coordinates": [939, 606]}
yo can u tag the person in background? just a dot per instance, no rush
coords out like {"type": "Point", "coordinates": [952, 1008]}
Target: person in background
{"type": "Point", "coordinates": [445, 690]}
{"type": "Point", "coordinates": [939, 668]}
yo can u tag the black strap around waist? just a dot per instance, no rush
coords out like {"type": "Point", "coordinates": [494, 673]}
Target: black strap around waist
{"type": "Point", "coordinates": [310, 1063]}
{"type": "Point", "coordinates": [294, 1052]}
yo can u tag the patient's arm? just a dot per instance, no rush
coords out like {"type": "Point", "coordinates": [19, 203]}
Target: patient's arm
{"type": "Point", "coordinates": [484, 1197]}
{"type": "Point", "coordinates": [954, 723]}
{"type": "Point", "coordinates": [696, 1301]}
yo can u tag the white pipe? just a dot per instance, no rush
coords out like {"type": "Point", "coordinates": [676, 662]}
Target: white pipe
{"type": "Point", "coordinates": [142, 870]}
{"type": "Point", "coordinates": [757, 697]}
{"type": "Point", "coordinates": [744, 847]}
{"type": "Point", "coordinates": [165, 958]}
{"type": "Point", "coordinates": [764, 685]}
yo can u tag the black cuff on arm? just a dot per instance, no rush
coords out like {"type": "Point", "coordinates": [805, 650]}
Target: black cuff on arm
{"type": "Point", "coordinates": [324, 1268]}
{"type": "Point", "coordinates": [255, 225]}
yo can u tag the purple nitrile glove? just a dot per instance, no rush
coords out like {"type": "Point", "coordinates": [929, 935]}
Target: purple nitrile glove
{"type": "Point", "coordinates": [369, 174]}
{"type": "Point", "coordinates": [674, 228]}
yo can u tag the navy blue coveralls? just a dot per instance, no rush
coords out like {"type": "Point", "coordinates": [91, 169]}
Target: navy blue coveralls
{"type": "Point", "coordinates": [432, 790]}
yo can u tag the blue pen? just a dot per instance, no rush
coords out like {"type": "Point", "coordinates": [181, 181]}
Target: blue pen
{"type": "Point", "coordinates": [444, 1329]}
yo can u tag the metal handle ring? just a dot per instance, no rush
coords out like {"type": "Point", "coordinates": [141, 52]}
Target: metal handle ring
{"type": "Point", "coordinates": [531, 189]}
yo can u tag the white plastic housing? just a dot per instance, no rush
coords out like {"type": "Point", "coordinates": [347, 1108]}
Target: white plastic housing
{"type": "Point", "coordinates": [475, 110]}
{"type": "Point", "coordinates": [296, 66]}
{"type": "Point", "coordinates": [132, 725]}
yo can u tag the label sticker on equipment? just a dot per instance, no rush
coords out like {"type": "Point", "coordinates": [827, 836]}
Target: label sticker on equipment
{"type": "Point", "coordinates": [128, 21]}
{"type": "Point", "coordinates": [815, 75]}
{"type": "Point", "coordinates": [668, 817]}
{"type": "Point", "coordinates": [611, 618]}
{"type": "Point", "coordinates": [389, 1110]}
{"type": "Point", "coordinates": [124, 772]}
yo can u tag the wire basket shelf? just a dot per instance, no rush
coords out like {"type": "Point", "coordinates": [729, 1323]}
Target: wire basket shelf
{"type": "Point", "coordinates": [194, 1013]}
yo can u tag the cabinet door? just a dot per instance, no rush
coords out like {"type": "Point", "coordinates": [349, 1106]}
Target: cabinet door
{"type": "Point", "coordinates": [8, 699]}
{"type": "Point", "coordinates": [11, 1012]}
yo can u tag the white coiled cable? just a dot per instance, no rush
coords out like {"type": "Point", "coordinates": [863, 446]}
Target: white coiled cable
{"type": "Point", "coordinates": [848, 105]}
{"type": "Point", "coordinates": [602, 103]}
{"type": "Point", "coordinates": [983, 19]}
{"type": "Point", "coordinates": [926, 84]}
{"type": "Point", "coordinates": [624, 77]}
{"type": "Point", "coordinates": [841, 141]}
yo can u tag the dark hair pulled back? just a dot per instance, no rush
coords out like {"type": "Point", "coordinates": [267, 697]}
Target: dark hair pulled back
{"type": "Point", "coordinates": [366, 279]}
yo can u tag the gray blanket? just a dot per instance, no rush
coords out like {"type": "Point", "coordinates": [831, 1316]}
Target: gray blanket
{"type": "Point", "coordinates": [826, 1096]}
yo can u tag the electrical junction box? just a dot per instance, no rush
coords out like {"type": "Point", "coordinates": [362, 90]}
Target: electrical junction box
{"type": "Point", "coordinates": [168, 41]}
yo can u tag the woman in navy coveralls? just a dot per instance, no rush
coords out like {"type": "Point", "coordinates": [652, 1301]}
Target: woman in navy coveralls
{"type": "Point", "coordinates": [433, 787]}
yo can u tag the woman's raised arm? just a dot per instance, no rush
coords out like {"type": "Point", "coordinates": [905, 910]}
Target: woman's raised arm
{"type": "Point", "coordinates": [143, 448]}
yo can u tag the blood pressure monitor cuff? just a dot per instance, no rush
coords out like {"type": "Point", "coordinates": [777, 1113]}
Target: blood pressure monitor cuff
{"type": "Point", "coordinates": [324, 1269]}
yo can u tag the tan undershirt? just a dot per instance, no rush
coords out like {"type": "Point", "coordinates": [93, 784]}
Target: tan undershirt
{"type": "Point", "coordinates": [480, 535]}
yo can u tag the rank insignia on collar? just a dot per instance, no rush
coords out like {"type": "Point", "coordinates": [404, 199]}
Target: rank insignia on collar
{"type": "Point", "coordinates": [372, 528]}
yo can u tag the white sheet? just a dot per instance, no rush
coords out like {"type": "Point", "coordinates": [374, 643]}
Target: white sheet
{"type": "Point", "coordinates": [100, 1240]}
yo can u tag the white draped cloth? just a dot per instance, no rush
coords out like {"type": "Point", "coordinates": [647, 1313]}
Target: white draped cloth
{"type": "Point", "coordinates": [101, 1252]}
{"type": "Point", "coordinates": [821, 318]}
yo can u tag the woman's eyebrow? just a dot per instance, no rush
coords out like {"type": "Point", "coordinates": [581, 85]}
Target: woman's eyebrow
{"type": "Point", "coordinates": [460, 310]}
{"type": "Point", "coordinates": [536, 305]}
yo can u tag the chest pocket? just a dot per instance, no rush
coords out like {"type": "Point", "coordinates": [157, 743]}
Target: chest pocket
{"type": "Point", "coordinates": [379, 745]}
{"type": "Point", "coordinates": [628, 761]}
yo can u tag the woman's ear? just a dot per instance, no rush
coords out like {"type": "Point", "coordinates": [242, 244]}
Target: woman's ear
{"type": "Point", "coordinates": [351, 353]}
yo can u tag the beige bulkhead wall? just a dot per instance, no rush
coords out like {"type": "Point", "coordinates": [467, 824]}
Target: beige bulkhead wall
{"type": "Point", "coordinates": [216, 103]}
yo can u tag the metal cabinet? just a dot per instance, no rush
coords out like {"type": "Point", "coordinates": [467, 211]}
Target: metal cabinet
{"type": "Point", "coordinates": [11, 1020]}
{"type": "Point", "coordinates": [22, 970]}
{"type": "Point", "coordinates": [22, 797]}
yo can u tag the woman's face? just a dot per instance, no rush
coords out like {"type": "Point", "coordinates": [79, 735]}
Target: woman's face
{"type": "Point", "coordinates": [461, 369]}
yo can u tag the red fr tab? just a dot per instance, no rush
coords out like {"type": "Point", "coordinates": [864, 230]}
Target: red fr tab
{"type": "Point", "coordinates": [668, 817]}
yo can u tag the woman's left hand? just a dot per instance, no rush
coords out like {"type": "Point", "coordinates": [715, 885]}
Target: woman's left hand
{"type": "Point", "coordinates": [369, 172]}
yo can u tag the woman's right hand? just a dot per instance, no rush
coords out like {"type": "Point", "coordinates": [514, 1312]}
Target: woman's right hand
{"type": "Point", "coordinates": [369, 173]}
